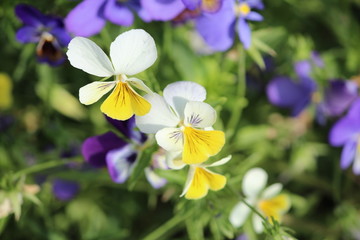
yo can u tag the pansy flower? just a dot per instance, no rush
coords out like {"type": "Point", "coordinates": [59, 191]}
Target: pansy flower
{"type": "Point", "coordinates": [284, 92]}
{"type": "Point", "coordinates": [218, 29]}
{"type": "Point", "coordinates": [132, 52]}
{"type": "Point", "coordinates": [119, 154]}
{"type": "Point", "coordinates": [47, 31]}
{"type": "Point", "coordinates": [97, 12]}
{"type": "Point", "coordinates": [171, 9]}
{"type": "Point", "coordinates": [200, 179]}
{"type": "Point", "coordinates": [346, 133]}
{"type": "Point", "coordinates": [64, 189]}
{"type": "Point", "coordinates": [268, 201]}
{"type": "Point", "coordinates": [183, 122]}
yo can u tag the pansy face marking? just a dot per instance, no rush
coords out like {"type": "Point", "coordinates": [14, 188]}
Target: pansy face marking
{"type": "Point", "coordinates": [182, 122]}
{"type": "Point", "coordinates": [132, 52]}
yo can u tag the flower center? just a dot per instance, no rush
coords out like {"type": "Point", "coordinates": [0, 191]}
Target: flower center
{"type": "Point", "coordinates": [121, 78]}
{"type": "Point", "coordinates": [242, 9]}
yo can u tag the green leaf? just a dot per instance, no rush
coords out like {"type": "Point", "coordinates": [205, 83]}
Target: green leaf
{"type": "Point", "coordinates": [141, 163]}
{"type": "Point", "coordinates": [256, 56]}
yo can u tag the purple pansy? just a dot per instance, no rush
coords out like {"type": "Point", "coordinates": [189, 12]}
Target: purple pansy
{"type": "Point", "coordinates": [338, 96]}
{"type": "Point", "coordinates": [218, 29]}
{"type": "Point", "coordinates": [117, 153]}
{"type": "Point", "coordinates": [165, 10]}
{"type": "Point", "coordinates": [89, 17]}
{"type": "Point", "coordinates": [284, 92]}
{"type": "Point", "coordinates": [346, 133]}
{"type": "Point", "coordinates": [65, 189]}
{"type": "Point", "coordinates": [47, 31]}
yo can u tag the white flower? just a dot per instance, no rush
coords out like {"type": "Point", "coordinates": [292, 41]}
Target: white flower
{"type": "Point", "coordinates": [267, 201]}
{"type": "Point", "coordinates": [200, 180]}
{"type": "Point", "coordinates": [181, 121]}
{"type": "Point", "coordinates": [132, 52]}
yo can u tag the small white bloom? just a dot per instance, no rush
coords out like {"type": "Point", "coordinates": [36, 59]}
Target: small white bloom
{"type": "Point", "coordinates": [132, 52]}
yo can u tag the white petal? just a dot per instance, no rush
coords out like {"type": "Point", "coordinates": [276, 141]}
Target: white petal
{"type": "Point", "coordinates": [86, 55]}
{"type": "Point", "coordinates": [272, 191]}
{"type": "Point", "coordinates": [199, 114]}
{"type": "Point", "coordinates": [139, 84]}
{"type": "Point", "coordinates": [220, 162]}
{"type": "Point", "coordinates": [189, 179]}
{"type": "Point", "coordinates": [356, 165]}
{"type": "Point", "coordinates": [170, 139]}
{"type": "Point", "coordinates": [254, 181]}
{"type": "Point", "coordinates": [159, 117]}
{"type": "Point", "coordinates": [174, 161]}
{"type": "Point", "coordinates": [179, 93]}
{"type": "Point", "coordinates": [133, 52]}
{"type": "Point", "coordinates": [258, 223]}
{"type": "Point", "coordinates": [239, 214]}
{"type": "Point", "coordinates": [155, 180]}
{"type": "Point", "coordinates": [92, 92]}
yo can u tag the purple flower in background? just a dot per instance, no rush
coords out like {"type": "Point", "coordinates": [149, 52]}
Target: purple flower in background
{"type": "Point", "coordinates": [89, 17]}
{"type": "Point", "coordinates": [165, 10]}
{"type": "Point", "coordinates": [346, 132]}
{"type": "Point", "coordinates": [337, 98]}
{"type": "Point", "coordinates": [47, 31]}
{"type": "Point", "coordinates": [64, 189]}
{"type": "Point", "coordinates": [118, 154]}
{"type": "Point", "coordinates": [218, 29]}
{"type": "Point", "coordinates": [284, 92]}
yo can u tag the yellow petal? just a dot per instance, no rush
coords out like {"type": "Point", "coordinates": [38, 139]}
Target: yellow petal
{"type": "Point", "coordinates": [124, 102]}
{"type": "Point", "coordinates": [5, 91]}
{"type": "Point", "coordinates": [202, 181]}
{"type": "Point", "coordinates": [199, 145]}
{"type": "Point", "coordinates": [275, 207]}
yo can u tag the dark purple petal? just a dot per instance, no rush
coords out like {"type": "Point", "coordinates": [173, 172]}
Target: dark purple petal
{"type": "Point", "coordinates": [163, 10]}
{"type": "Point", "coordinates": [354, 111]}
{"type": "Point", "coordinates": [118, 13]}
{"type": "Point", "coordinates": [27, 34]}
{"type": "Point", "coordinates": [120, 163]}
{"type": "Point", "coordinates": [244, 32]}
{"type": "Point", "coordinates": [303, 69]}
{"type": "Point", "coordinates": [338, 97]}
{"type": "Point", "coordinates": [61, 35]}
{"type": "Point", "coordinates": [94, 149]}
{"type": "Point", "coordinates": [64, 189]}
{"type": "Point", "coordinates": [127, 129]}
{"type": "Point", "coordinates": [254, 16]}
{"type": "Point", "coordinates": [348, 153]}
{"type": "Point", "coordinates": [86, 18]}
{"type": "Point", "coordinates": [217, 29]}
{"type": "Point", "coordinates": [192, 4]}
{"type": "Point", "coordinates": [257, 4]}
{"type": "Point", "coordinates": [344, 130]}
{"type": "Point", "coordinates": [29, 15]}
{"type": "Point", "coordinates": [49, 50]}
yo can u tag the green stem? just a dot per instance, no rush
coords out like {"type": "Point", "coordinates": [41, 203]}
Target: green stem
{"type": "Point", "coordinates": [240, 103]}
{"type": "Point", "coordinates": [166, 228]}
{"type": "Point", "coordinates": [40, 167]}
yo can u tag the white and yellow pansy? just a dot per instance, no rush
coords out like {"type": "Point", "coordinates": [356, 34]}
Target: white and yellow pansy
{"type": "Point", "coordinates": [268, 201]}
{"type": "Point", "coordinates": [183, 122]}
{"type": "Point", "coordinates": [200, 180]}
{"type": "Point", "coordinates": [131, 53]}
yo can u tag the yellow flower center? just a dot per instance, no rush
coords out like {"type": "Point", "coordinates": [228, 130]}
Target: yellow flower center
{"type": "Point", "coordinates": [199, 145]}
{"type": "Point", "coordinates": [274, 207]}
{"type": "Point", "coordinates": [124, 102]}
{"type": "Point", "coordinates": [242, 9]}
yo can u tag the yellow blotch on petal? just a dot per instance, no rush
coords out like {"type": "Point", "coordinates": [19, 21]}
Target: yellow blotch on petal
{"type": "Point", "coordinates": [211, 5]}
{"type": "Point", "coordinates": [124, 102]}
{"type": "Point", "coordinates": [202, 181]}
{"type": "Point", "coordinates": [275, 207]}
{"type": "Point", "coordinates": [199, 145]}
{"type": "Point", "coordinates": [5, 91]}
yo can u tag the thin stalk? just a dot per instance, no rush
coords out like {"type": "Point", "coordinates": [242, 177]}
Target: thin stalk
{"type": "Point", "coordinates": [39, 167]}
{"type": "Point", "coordinates": [240, 101]}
